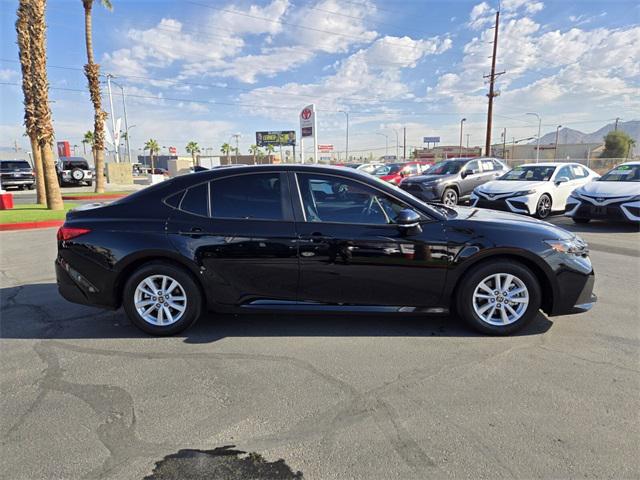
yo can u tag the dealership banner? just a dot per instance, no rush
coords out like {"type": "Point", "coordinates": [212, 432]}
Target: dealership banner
{"type": "Point", "coordinates": [307, 121]}
{"type": "Point", "coordinates": [286, 138]}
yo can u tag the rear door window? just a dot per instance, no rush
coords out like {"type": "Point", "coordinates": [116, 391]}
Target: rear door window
{"type": "Point", "coordinates": [14, 165]}
{"type": "Point", "coordinates": [250, 196]}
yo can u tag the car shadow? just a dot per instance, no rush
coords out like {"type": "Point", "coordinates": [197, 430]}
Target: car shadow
{"type": "Point", "coordinates": [595, 226]}
{"type": "Point", "coordinates": [37, 311]}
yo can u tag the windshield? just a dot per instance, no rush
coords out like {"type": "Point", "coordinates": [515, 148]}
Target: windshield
{"type": "Point", "coordinates": [445, 168]}
{"type": "Point", "coordinates": [388, 169]}
{"type": "Point", "coordinates": [622, 173]}
{"type": "Point", "coordinates": [13, 165]}
{"type": "Point", "coordinates": [530, 173]}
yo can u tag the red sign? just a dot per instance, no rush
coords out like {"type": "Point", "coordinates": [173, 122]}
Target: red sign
{"type": "Point", "coordinates": [173, 150]}
{"type": "Point", "coordinates": [64, 149]}
{"type": "Point", "coordinates": [306, 113]}
{"type": "Point", "coordinates": [325, 148]}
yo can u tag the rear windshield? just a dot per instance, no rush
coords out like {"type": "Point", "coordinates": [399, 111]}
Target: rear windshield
{"type": "Point", "coordinates": [14, 164]}
{"type": "Point", "coordinates": [75, 164]}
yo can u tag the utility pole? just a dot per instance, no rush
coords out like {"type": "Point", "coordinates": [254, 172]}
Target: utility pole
{"type": "Point", "coordinates": [346, 153]}
{"type": "Point", "coordinates": [492, 78]}
{"type": "Point", "coordinates": [616, 127]}
{"type": "Point", "coordinates": [237, 137]}
{"type": "Point", "coordinates": [537, 141]}
{"type": "Point", "coordinates": [113, 120]}
{"type": "Point", "coordinates": [404, 144]}
{"type": "Point", "coordinates": [504, 143]}
{"type": "Point", "coordinates": [467, 135]}
{"type": "Point", "coordinates": [555, 150]}
{"type": "Point", "coordinates": [461, 124]}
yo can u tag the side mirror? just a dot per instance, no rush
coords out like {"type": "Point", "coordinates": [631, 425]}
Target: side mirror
{"type": "Point", "coordinates": [408, 221]}
{"type": "Point", "coordinates": [466, 173]}
{"type": "Point", "coordinates": [561, 180]}
{"type": "Point", "coordinates": [404, 173]}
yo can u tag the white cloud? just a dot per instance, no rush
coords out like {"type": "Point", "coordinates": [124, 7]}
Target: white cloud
{"type": "Point", "coordinates": [7, 75]}
{"type": "Point", "coordinates": [479, 17]}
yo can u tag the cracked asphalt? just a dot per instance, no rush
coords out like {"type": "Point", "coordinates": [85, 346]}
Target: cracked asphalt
{"type": "Point", "coordinates": [83, 394]}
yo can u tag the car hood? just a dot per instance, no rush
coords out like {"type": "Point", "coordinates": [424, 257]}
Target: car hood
{"type": "Point", "coordinates": [610, 189]}
{"type": "Point", "coordinates": [428, 178]}
{"type": "Point", "coordinates": [511, 221]}
{"type": "Point", "coordinates": [509, 186]}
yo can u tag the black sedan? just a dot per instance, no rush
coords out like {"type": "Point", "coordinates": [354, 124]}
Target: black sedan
{"type": "Point", "coordinates": [294, 237]}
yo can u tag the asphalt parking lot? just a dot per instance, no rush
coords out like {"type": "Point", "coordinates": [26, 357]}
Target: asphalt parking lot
{"type": "Point", "coordinates": [86, 395]}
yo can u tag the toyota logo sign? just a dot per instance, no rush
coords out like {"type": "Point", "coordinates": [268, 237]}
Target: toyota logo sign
{"type": "Point", "coordinates": [306, 114]}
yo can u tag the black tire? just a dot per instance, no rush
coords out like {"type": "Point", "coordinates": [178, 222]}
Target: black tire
{"type": "Point", "coordinates": [89, 184]}
{"type": "Point", "coordinates": [465, 301]}
{"type": "Point", "coordinates": [543, 208]}
{"type": "Point", "coordinates": [185, 280]}
{"type": "Point", "coordinates": [581, 220]}
{"type": "Point", "coordinates": [31, 187]}
{"type": "Point", "coordinates": [450, 196]}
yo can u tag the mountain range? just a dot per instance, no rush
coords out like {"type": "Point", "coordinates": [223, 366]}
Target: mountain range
{"type": "Point", "coordinates": [569, 135]}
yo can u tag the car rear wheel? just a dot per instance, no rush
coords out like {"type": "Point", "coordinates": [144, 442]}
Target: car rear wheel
{"type": "Point", "coordinates": [450, 197]}
{"type": "Point", "coordinates": [499, 298]}
{"type": "Point", "coordinates": [543, 209]}
{"type": "Point", "coordinates": [162, 299]}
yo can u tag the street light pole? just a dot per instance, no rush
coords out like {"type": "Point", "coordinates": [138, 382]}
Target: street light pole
{"type": "Point", "coordinates": [397, 145]}
{"type": "Point", "coordinates": [555, 150]}
{"type": "Point", "coordinates": [237, 137]}
{"type": "Point", "coordinates": [386, 137]}
{"type": "Point", "coordinates": [347, 139]}
{"type": "Point", "coordinates": [461, 126]}
{"type": "Point", "coordinates": [113, 120]}
{"type": "Point", "coordinates": [538, 141]}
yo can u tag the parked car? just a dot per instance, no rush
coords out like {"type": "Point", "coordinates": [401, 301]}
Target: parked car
{"type": "Point", "coordinates": [302, 237]}
{"type": "Point", "coordinates": [614, 196]}
{"type": "Point", "coordinates": [451, 180]}
{"type": "Point", "coordinates": [533, 189]}
{"type": "Point", "coordinates": [16, 173]}
{"type": "Point", "coordinates": [395, 172]}
{"type": "Point", "coordinates": [369, 167]}
{"type": "Point", "coordinates": [74, 171]}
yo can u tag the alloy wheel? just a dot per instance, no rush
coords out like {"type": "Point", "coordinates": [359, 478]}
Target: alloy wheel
{"type": "Point", "coordinates": [160, 300]}
{"type": "Point", "coordinates": [544, 206]}
{"type": "Point", "coordinates": [500, 299]}
{"type": "Point", "coordinates": [450, 198]}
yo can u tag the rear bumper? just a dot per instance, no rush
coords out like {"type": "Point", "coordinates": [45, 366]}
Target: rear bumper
{"type": "Point", "coordinates": [17, 182]}
{"type": "Point", "coordinates": [76, 288]}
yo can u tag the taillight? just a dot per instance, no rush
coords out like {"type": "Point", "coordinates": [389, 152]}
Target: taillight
{"type": "Point", "coordinates": [67, 233]}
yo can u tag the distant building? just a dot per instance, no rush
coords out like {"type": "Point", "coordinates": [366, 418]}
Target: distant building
{"type": "Point", "coordinates": [446, 151]}
{"type": "Point", "coordinates": [570, 151]}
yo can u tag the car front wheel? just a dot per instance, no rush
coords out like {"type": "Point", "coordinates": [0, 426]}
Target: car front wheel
{"type": "Point", "coordinates": [450, 197]}
{"type": "Point", "coordinates": [162, 299]}
{"type": "Point", "coordinates": [543, 208]}
{"type": "Point", "coordinates": [499, 298]}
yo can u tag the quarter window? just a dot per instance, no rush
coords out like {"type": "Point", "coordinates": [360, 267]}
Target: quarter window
{"type": "Point", "coordinates": [487, 165]}
{"type": "Point", "coordinates": [331, 199]}
{"type": "Point", "coordinates": [473, 166]}
{"type": "Point", "coordinates": [254, 196]}
{"type": "Point", "coordinates": [195, 200]}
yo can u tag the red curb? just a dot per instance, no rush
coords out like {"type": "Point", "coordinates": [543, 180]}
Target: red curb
{"type": "Point", "coordinates": [102, 196]}
{"type": "Point", "coordinates": [29, 225]}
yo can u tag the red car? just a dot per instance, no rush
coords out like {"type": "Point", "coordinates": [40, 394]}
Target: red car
{"type": "Point", "coordinates": [395, 172]}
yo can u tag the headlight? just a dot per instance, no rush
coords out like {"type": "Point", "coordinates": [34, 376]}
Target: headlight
{"type": "Point", "coordinates": [575, 246]}
{"type": "Point", "coordinates": [524, 192]}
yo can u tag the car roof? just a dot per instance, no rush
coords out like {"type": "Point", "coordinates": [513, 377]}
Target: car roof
{"type": "Point", "coordinates": [634, 162]}
{"type": "Point", "coordinates": [547, 164]}
{"type": "Point", "coordinates": [14, 160]}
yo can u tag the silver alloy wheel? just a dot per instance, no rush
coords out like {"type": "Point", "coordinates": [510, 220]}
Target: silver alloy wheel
{"type": "Point", "coordinates": [500, 299]}
{"type": "Point", "coordinates": [160, 300]}
{"type": "Point", "coordinates": [450, 198]}
{"type": "Point", "coordinates": [544, 206]}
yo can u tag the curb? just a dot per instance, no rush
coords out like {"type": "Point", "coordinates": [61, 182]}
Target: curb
{"type": "Point", "coordinates": [30, 225]}
{"type": "Point", "coordinates": [101, 196]}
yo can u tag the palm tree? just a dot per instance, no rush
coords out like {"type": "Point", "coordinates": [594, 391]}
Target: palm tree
{"type": "Point", "coordinates": [270, 149]}
{"type": "Point", "coordinates": [253, 150]}
{"type": "Point", "coordinates": [153, 147]}
{"type": "Point", "coordinates": [24, 45]}
{"type": "Point", "coordinates": [92, 71]}
{"type": "Point", "coordinates": [88, 140]}
{"type": "Point", "coordinates": [226, 150]}
{"type": "Point", "coordinates": [193, 148]}
{"type": "Point", "coordinates": [35, 11]}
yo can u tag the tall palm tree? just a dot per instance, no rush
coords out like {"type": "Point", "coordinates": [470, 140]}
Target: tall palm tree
{"type": "Point", "coordinates": [193, 148]}
{"type": "Point", "coordinates": [226, 150]}
{"type": "Point", "coordinates": [88, 140]}
{"type": "Point", "coordinates": [253, 150]}
{"type": "Point", "coordinates": [43, 124]}
{"type": "Point", "coordinates": [24, 45]}
{"type": "Point", "coordinates": [153, 147]}
{"type": "Point", "coordinates": [270, 149]}
{"type": "Point", "coordinates": [92, 71]}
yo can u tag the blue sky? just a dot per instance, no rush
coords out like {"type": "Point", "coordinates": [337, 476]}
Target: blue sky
{"type": "Point", "coordinates": [202, 70]}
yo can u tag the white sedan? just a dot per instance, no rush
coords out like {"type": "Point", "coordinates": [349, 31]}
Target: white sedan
{"type": "Point", "coordinates": [533, 189]}
{"type": "Point", "coordinates": [615, 196]}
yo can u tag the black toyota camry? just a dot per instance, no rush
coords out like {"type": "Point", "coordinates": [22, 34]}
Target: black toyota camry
{"type": "Point", "coordinates": [295, 237]}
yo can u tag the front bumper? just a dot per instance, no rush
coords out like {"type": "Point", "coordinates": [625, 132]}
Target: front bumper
{"type": "Point", "coordinates": [523, 204]}
{"type": "Point", "coordinates": [625, 210]}
{"type": "Point", "coordinates": [426, 193]}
